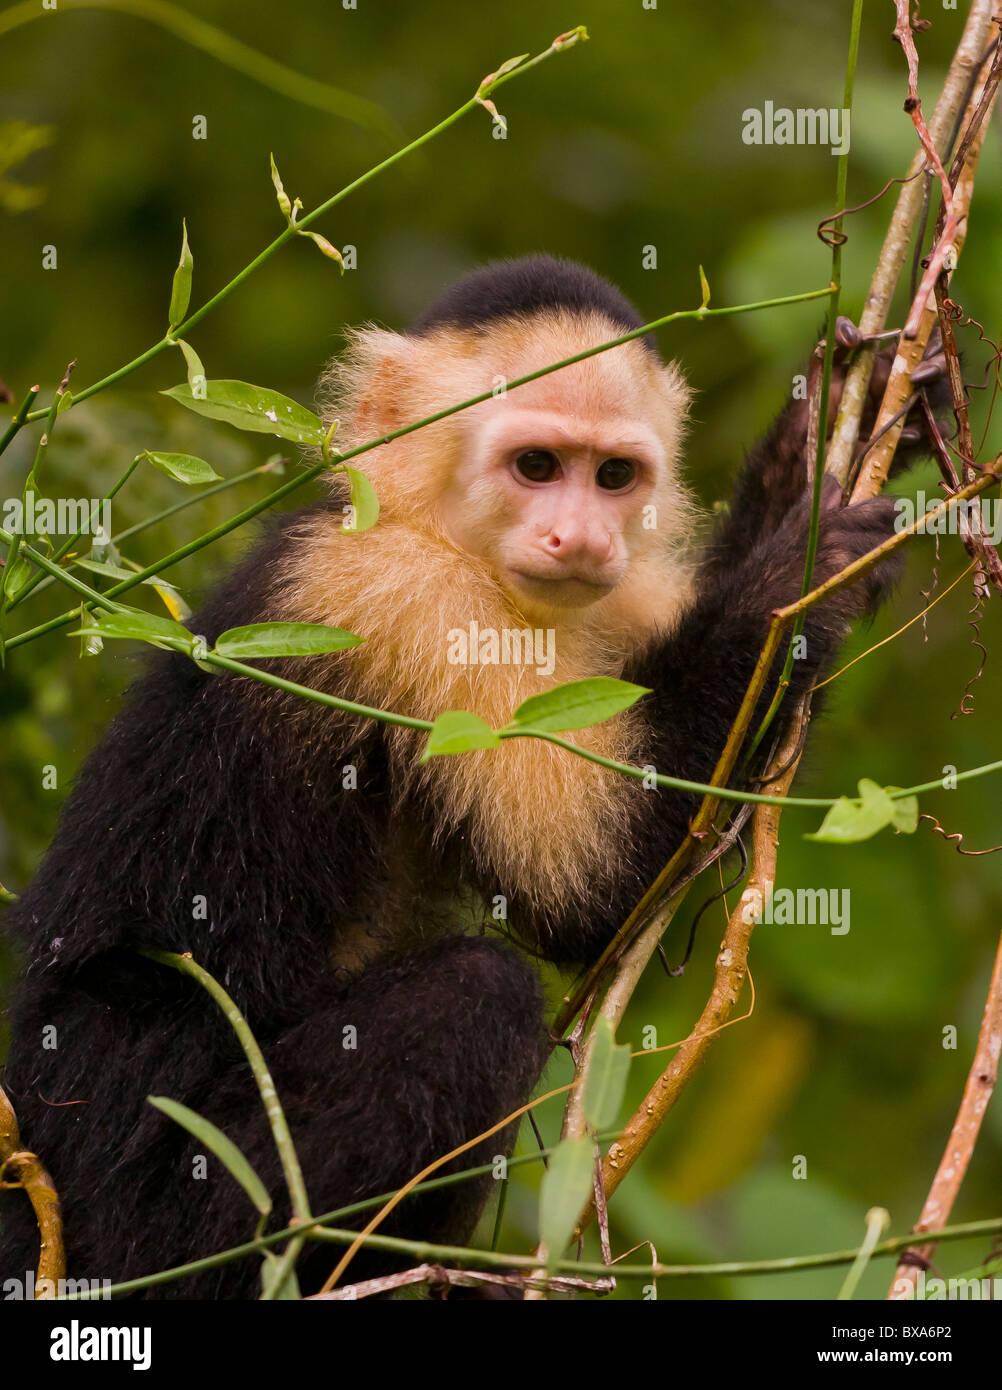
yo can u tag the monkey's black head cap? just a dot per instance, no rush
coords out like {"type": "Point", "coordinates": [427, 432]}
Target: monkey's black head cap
{"type": "Point", "coordinates": [526, 286]}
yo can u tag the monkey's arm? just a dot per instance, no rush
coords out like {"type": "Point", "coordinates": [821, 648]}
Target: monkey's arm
{"type": "Point", "coordinates": [775, 473]}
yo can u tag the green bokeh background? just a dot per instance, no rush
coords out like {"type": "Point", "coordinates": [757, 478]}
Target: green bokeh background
{"type": "Point", "coordinates": [629, 141]}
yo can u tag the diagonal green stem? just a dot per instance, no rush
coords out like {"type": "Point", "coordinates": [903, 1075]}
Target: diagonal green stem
{"type": "Point", "coordinates": [266, 1086]}
{"type": "Point", "coordinates": [43, 582]}
{"type": "Point", "coordinates": [180, 330]}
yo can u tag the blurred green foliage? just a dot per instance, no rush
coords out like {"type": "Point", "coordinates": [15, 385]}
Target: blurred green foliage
{"type": "Point", "coordinates": [632, 140]}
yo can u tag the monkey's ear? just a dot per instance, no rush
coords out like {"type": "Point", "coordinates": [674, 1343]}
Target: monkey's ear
{"type": "Point", "coordinates": [370, 385]}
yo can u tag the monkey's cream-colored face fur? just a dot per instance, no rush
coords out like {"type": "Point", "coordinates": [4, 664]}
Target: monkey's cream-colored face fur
{"type": "Point", "coordinates": [465, 538]}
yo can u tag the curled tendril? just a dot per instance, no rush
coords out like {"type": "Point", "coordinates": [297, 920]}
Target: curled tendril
{"type": "Point", "coordinates": [834, 236]}
{"type": "Point", "coordinates": [955, 837]}
{"type": "Point", "coordinates": [974, 621]}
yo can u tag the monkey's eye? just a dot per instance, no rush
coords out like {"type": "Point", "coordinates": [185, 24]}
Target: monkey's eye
{"type": "Point", "coordinates": [538, 465]}
{"type": "Point", "coordinates": [614, 474]}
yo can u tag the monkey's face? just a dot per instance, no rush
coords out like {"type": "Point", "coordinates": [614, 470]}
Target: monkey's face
{"type": "Point", "coordinates": [554, 502]}
{"type": "Point", "coordinates": [562, 488]}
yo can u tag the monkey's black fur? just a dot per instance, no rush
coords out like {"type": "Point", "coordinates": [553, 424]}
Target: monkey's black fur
{"type": "Point", "coordinates": [208, 785]}
{"type": "Point", "coordinates": [530, 285]}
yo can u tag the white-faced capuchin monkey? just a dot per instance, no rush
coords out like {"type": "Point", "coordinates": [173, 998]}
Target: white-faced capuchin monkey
{"type": "Point", "coordinates": [342, 892]}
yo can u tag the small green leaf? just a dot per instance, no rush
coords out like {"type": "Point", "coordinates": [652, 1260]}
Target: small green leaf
{"type": "Point", "coordinates": [577, 704]}
{"type": "Point", "coordinates": [269, 1273]}
{"type": "Point", "coordinates": [252, 408]}
{"type": "Point", "coordinates": [168, 594]}
{"type": "Point", "coordinates": [566, 1187]}
{"type": "Point", "coordinates": [180, 294]}
{"type": "Point", "coordinates": [331, 252]}
{"type": "Point", "coordinates": [508, 65]}
{"type": "Point", "coordinates": [133, 624]}
{"type": "Point", "coordinates": [65, 401]}
{"type": "Point", "coordinates": [216, 1142]}
{"type": "Point", "coordinates": [15, 577]}
{"type": "Point", "coordinates": [458, 731]}
{"type": "Point", "coordinates": [906, 812]}
{"type": "Point", "coordinates": [854, 819]}
{"type": "Point", "coordinates": [193, 363]}
{"type": "Point", "coordinates": [364, 503]}
{"type": "Point", "coordinates": [284, 201]}
{"type": "Point", "coordinates": [284, 639]}
{"type": "Point", "coordinates": [184, 467]}
{"type": "Point", "coordinates": [606, 1080]}
{"type": "Point", "coordinates": [103, 567]}
{"type": "Point", "coordinates": [704, 288]}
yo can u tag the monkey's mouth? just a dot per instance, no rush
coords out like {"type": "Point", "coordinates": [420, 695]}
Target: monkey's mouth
{"type": "Point", "coordinates": [561, 590]}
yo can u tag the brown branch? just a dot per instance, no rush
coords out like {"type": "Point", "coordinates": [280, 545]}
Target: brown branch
{"type": "Point", "coordinates": [960, 1146]}
{"type": "Point", "coordinates": [971, 523]}
{"type": "Point", "coordinates": [461, 1278]}
{"type": "Point", "coordinates": [19, 1168]}
{"type": "Point", "coordinates": [952, 232]}
{"type": "Point", "coordinates": [913, 105]}
{"type": "Point", "coordinates": [966, 62]}
{"type": "Point", "coordinates": [730, 970]}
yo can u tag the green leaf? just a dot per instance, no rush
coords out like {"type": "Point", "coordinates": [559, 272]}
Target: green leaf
{"type": "Point", "coordinates": [134, 624]}
{"type": "Point", "coordinates": [15, 577]}
{"type": "Point", "coordinates": [103, 567]}
{"type": "Point", "coordinates": [269, 1273]}
{"type": "Point", "coordinates": [854, 819]}
{"type": "Point", "coordinates": [577, 704]}
{"type": "Point", "coordinates": [331, 252]}
{"type": "Point", "coordinates": [168, 593]}
{"type": "Point", "coordinates": [216, 1142]}
{"type": "Point", "coordinates": [566, 1187]}
{"type": "Point", "coordinates": [606, 1080]}
{"type": "Point", "coordinates": [906, 812]}
{"type": "Point", "coordinates": [184, 467]}
{"type": "Point", "coordinates": [180, 294]}
{"type": "Point", "coordinates": [364, 503]}
{"type": "Point", "coordinates": [284, 639]}
{"type": "Point", "coordinates": [458, 731]}
{"type": "Point", "coordinates": [65, 401]}
{"type": "Point", "coordinates": [284, 201]}
{"type": "Point", "coordinates": [704, 288]}
{"type": "Point", "coordinates": [196, 372]}
{"type": "Point", "coordinates": [508, 65]}
{"type": "Point", "coordinates": [252, 408]}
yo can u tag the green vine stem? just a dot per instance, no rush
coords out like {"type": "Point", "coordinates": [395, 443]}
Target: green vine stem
{"type": "Point", "coordinates": [266, 1086]}
{"type": "Point", "coordinates": [493, 1259]}
{"type": "Point", "coordinates": [181, 330]}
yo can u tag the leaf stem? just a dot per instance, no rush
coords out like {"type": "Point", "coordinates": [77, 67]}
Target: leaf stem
{"type": "Point", "coordinates": [266, 1086]}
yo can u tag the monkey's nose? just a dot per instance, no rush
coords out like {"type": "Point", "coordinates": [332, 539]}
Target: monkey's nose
{"type": "Point", "coordinates": [573, 545]}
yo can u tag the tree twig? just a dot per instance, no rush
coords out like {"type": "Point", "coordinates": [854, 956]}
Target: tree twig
{"type": "Point", "coordinates": [20, 1168]}
{"type": "Point", "coordinates": [959, 1149]}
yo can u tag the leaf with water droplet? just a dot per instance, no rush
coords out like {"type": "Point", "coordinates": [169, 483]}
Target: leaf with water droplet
{"type": "Point", "coordinates": [364, 502]}
{"type": "Point", "coordinates": [254, 408]}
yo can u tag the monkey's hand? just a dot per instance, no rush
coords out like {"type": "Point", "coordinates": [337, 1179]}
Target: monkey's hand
{"type": "Point", "coordinates": [845, 534]}
{"type": "Point", "coordinates": [770, 485]}
{"type": "Point", "coordinates": [929, 380]}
